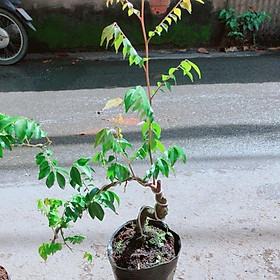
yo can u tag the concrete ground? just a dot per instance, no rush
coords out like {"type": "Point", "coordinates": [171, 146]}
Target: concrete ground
{"type": "Point", "coordinates": [224, 203]}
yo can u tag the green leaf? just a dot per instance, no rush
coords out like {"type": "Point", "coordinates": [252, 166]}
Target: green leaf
{"type": "Point", "coordinates": [88, 256]}
{"type": "Point", "coordinates": [156, 129]}
{"type": "Point", "coordinates": [76, 176]}
{"type": "Point", "coordinates": [171, 71]}
{"type": "Point", "coordinates": [160, 146]}
{"type": "Point", "coordinates": [44, 172]}
{"type": "Point", "coordinates": [186, 66]}
{"type": "Point", "coordinates": [168, 85]}
{"type": "Point", "coordinates": [130, 12]}
{"type": "Point", "coordinates": [60, 180]}
{"type": "Point", "coordinates": [95, 210]}
{"type": "Point", "coordinates": [109, 204]}
{"type": "Point", "coordinates": [174, 17]}
{"type": "Point", "coordinates": [117, 42]}
{"type": "Point", "coordinates": [6, 121]}
{"type": "Point", "coordinates": [30, 129]}
{"type": "Point", "coordinates": [115, 197]}
{"type": "Point", "coordinates": [83, 161]}
{"type": "Point", "coordinates": [47, 249]}
{"type": "Point", "coordinates": [163, 166]}
{"type": "Point", "coordinates": [141, 153]}
{"type": "Point", "coordinates": [20, 129]}
{"type": "Point", "coordinates": [76, 239]}
{"type": "Point", "coordinates": [138, 98]}
{"type": "Point", "coordinates": [107, 34]}
{"type": "Point", "coordinates": [6, 142]}
{"type": "Point", "coordinates": [177, 12]}
{"type": "Point", "coordinates": [186, 4]}
{"type": "Point", "coordinates": [50, 179]}
{"type": "Point", "coordinates": [159, 30]}
{"type": "Point", "coordinates": [165, 77]}
{"type": "Point", "coordinates": [175, 153]}
{"type": "Point", "coordinates": [87, 171]}
{"type": "Point", "coordinates": [165, 26]}
{"type": "Point", "coordinates": [169, 20]}
{"type": "Point", "coordinates": [119, 171]}
{"type": "Point", "coordinates": [99, 138]}
{"type": "Point", "coordinates": [145, 128]}
{"type": "Point", "coordinates": [196, 68]}
{"type": "Point", "coordinates": [92, 194]}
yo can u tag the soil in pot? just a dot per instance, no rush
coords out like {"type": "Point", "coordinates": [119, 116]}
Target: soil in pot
{"type": "Point", "coordinates": [133, 252]}
{"type": "Point", "coordinates": [3, 274]}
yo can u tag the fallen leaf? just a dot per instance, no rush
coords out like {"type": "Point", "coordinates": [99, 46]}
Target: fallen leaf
{"type": "Point", "coordinates": [260, 51]}
{"type": "Point", "coordinates": [231, 49]}
{"type": "Point", "coordinates": [61, 54]}
{"type": "Point", "coordinates": [120, 120]}
{"type": "Point", "coordinates": [47, 60]}
{"type": "Point", "coordinates": [113, 103]}
{"type": "Point", "coordinates": [76, 60]}
{"type": "Point", "coordinates": [274, 48]}
{"type": "Point", "coordinates": [90, 132]}
{"type": "Point", "coordinates": [245, 48]}
{"type": "Point", "coordinates": [202, 50]}
{"type": "Point", "coordinates": [163, 51]}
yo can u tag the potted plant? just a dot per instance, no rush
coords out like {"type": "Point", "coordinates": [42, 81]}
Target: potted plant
{"type": "Point", "coordinates": [144, 248]}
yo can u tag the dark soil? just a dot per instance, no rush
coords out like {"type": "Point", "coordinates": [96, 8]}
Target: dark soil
{"type": "Point", "coordinates": [3, 273]}
{"type": "Point", "coordinates": [135, 252]}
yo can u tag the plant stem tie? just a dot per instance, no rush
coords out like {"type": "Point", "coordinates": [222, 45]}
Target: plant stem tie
{"type": "Point", "coordinates": [156, 215]}
{"type": "Point", "coordinates": [162, 204]}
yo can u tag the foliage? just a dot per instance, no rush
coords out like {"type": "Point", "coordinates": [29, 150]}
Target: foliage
{"type": "Point", "coordinates": [242, 26]}
{"type": "Point", "coordinates": [115, 154]}
{"type": "Point", "coordinates": [19, 131]}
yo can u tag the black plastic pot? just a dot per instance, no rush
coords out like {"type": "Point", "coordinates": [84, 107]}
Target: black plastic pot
{"type": "Point", "coordinates": [164, 271]}
{"type": "Point", "coordinates": [3, 269]}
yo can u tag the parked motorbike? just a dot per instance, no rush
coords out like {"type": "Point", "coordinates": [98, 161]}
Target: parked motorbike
{"type": "Point", "coordinates": [14, 22]}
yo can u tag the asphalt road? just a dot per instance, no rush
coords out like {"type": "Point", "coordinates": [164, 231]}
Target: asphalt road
{"type": "Point", "coordinates": [71, 73]}
{"type": "Point", "coordinates": [224, 202]}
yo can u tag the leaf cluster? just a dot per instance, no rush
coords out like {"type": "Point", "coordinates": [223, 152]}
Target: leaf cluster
{"type": "Point", "coordinates": [16, 131]}
{"type": "Point", "coordinates": [115, 34]}
{"type": "Point", "coordinates": [238, 24]}
{"type": "Point", "coordinates": [61, 213]}
{"type": "Point", "coordinates": [173, 16]}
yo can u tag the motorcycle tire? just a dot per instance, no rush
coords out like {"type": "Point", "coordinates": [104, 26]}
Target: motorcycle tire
{"type": "Point", "coordinates": [13, 38]}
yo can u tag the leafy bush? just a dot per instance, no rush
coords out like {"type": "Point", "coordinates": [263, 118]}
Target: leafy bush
{"type": "Point", "coordinates": [243, 27]}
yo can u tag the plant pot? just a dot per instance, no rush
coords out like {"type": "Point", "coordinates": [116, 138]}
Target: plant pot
{"type": "Point", "coordinates": [163, 271]}
{"type": "Point", "coordinates": [4, 274]}
{"type": "Point", "coordinates": [159, 7]}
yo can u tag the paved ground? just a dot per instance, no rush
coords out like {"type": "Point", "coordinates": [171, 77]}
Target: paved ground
{"type": "Point", "coordinates": [98, 70]}
{"type": "Point", "coordinates": [224, 203]}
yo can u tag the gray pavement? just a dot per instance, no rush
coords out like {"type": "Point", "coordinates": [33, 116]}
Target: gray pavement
{"type": "Point", "coordinates": [224, 203]}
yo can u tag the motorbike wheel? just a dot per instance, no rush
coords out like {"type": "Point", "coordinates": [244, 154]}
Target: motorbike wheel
{"type": "Point", "coordinates": [13, 38]}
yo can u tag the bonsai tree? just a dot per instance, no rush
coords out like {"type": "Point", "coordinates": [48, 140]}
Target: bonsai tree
{"type": "Point", "coordinates": [115, 154]}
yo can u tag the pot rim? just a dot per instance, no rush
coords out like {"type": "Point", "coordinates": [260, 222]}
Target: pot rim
{"type": "Point", "coordinates": [9, 278]}
{"type": "Point", "coordinates": [110, 248]}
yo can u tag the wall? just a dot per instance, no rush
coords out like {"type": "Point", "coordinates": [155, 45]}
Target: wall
{"type": "Point", "coordinates": [78, 24]}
